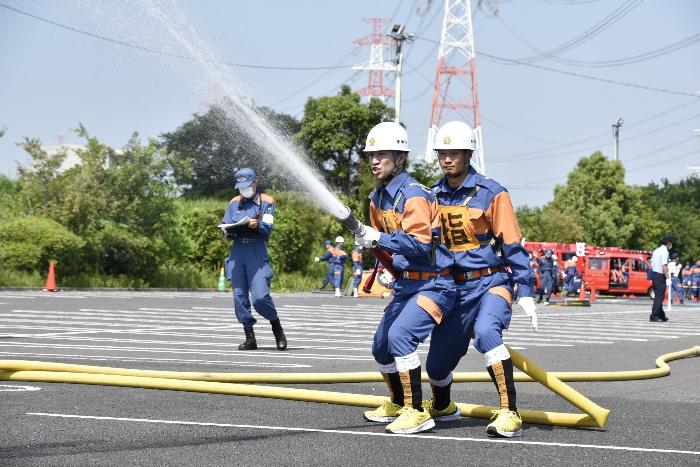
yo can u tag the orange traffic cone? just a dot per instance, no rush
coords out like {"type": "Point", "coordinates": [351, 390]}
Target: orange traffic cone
{"type": "Point", "coordinates": [51, 280]}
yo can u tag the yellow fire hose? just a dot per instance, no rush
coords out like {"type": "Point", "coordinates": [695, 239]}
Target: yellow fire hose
{"type": "Point", "coordinates": [230, 383]}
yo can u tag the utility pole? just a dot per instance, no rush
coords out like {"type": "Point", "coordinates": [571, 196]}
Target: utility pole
{"type": "Point", "coordinates": [399, 37]}
{"type": "Point", "coordinates": [616, 134]}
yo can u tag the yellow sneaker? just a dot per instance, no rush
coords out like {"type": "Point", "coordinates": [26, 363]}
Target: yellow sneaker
{"type": "Point", "coordinates": [411, 421]}
{"type": "Point", "coordinates": [387, 412]}
{"type": "Point", "coordinates": [451, 412]}
{"type": "Point", "coordinates": [507, 424]}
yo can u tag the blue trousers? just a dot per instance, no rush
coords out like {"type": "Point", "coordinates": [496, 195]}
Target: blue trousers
{"type": "Point", "coordinates": [356, 281]}
{"type": "Point", "coordinates": [480, 312]}
{"type": "Point", "coordinates": [677, 291]}
{"type": "Point", "coordinates": [547, 284]}
{"type": "Point", "coordinates": [338, 275]}
{"type": "Point", "coordinates": [329, 276]}
{"type": "Point", "coordinates": [249, 270]}
{"type": "Point", "coordinates": [406, 323]}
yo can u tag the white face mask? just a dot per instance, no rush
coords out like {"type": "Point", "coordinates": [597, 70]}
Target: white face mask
{"type": "Point", "coordinates": [247, 192]}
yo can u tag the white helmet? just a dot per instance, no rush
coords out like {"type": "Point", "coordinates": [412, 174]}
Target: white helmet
{"type": "Point", "coordinates": [574, 258]}
{"type": "Point", "coordinates": [455, 135]}
{"type": "Point", "coordinates": [387, 136]}
{"type": "Point", "coordinates": [339, 239]}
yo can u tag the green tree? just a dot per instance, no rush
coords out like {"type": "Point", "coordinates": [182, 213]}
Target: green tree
{"type": "Point", "coordinates": [205, 151]}
{"type": "Point", "coordinates": [333, 132]}
{"type": "Point", "coordinates": [426, 173]}
{"type": "Point", "coordinates": [595, 193]}
{"type": "Point", "coordinates": [674, 208]}
{"type": "Point", "coordinates": [40, 181]}
{"type": "Point", "coordinates": [548, 224]}
{"type": "Point", "coordinates": [12, 204]}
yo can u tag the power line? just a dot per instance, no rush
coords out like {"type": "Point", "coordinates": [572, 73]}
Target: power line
{"type": "Point", "coordinates": [590, 148]}
{"type": "Point", "coordinates": [168, 54]}
{"type": "Point", "coordinates": [307, 86]}
{"type": "Point", "coordinates": [670, 48]}
{"type": "Point", "coordinates": [694, 152]}
{"type": "Point", "coordinates": [667, 49]}
{"type": "Point", "coordinates": [502, 61]}
{"type": "Point", "coordinates": [598, 136]}
{"type": "Point", "coordinates": [593, 31]}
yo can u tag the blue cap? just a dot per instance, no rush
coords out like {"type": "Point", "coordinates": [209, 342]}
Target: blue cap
{"type": "Point", "coordinates": [548, 253]}
{"type": "Point", "coordinates": [244, 178]}
{"type": "Point", "coordinates": [327, 242]}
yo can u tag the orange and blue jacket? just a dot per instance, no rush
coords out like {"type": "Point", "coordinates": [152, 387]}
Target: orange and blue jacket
{"type": "Point", "coordinates": [480, 229]}
{"type": "Point", "coordinates": [405, 212]}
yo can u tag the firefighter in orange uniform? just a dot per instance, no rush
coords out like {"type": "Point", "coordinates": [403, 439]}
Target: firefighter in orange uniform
{"type": "Point", "coordinates": [491, 269]}
{"type": "Point", "coordinates": [404, 221]}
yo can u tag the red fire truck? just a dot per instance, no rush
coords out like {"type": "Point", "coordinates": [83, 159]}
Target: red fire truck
{"type": "Point", "coordinates": [609, 269]}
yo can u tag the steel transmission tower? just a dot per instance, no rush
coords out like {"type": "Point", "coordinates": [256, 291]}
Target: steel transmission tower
{"type": "Point", "coordinates": [456, 92]}
{"type": "Point", "coordinates": [376, 64]}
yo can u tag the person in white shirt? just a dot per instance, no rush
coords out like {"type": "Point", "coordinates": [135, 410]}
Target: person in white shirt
{"type": "Point", "coordinates": [660, 278]}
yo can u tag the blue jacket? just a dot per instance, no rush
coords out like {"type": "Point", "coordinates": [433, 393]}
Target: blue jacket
{"type": "Point", "coordinates": [260, 207]}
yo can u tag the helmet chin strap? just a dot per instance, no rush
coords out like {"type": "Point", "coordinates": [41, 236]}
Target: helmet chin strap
{"type": "Point", "coordinates": [396, 165]}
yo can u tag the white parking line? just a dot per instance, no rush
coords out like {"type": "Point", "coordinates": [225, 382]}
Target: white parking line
{"type": "Point", "coordinates": [158, 360]}
{"type": "Point", "coordinates": [414, 438]}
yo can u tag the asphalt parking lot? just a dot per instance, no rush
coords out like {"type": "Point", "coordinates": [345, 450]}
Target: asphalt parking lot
{"type": "Point", "coordinates": [652, 421]}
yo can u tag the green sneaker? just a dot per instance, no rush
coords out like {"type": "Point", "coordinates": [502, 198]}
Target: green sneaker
{"type": "Point", "coordinates": [387, 412]}
{"type": "Point", "coordinates": [411, 421]}
{"type": "Point", "coordinates": [451, 412]}
{"type": "Point", "coordinates": [507, 424]}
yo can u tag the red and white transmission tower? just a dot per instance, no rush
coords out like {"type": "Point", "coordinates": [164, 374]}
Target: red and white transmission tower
{"type": "Point", "coordinates": [455, 96]}
{"type": "Point", "coordinates": [376, 64]}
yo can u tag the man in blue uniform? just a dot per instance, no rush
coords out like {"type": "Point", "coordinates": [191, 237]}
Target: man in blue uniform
{"type": "Point", "coordinates": [548, 270]}
{"type": "Point", "coordinates": [572, 282]}
{"type": "Point", "coordinates": [339, 258]}
{"type": "Point", "coordinates": [328, 257]}
{"type": "Point", "coordinates": [247, 266]}
{"type": "Point", "coordinates": [356, 269]}
{"type": "Point", "coordinates": [404, 220]}
{"type": "Point", "coordinates": [490, 267]}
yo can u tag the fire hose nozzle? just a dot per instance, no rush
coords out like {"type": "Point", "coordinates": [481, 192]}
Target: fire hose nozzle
{"type": "Point", "coordinates": [352, 223]}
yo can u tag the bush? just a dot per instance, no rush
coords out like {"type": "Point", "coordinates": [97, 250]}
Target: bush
{"type": "Point", "coordinates": [117, 251]}
{"type": "Point", "coordinates": [206, 246]}
{"type": "Point", "coordinates": [28, 244]}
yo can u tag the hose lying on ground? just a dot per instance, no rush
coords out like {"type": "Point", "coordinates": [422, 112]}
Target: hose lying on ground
{"type": "Point", "coordinates": [230, 383]}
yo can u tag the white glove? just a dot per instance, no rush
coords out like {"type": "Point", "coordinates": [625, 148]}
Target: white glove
{"type": "Point", "coordinates": [369, 239]}
{"type": "Point", "coordinates": [317, 259]}
{"type": "Point", "coordinates": [528, 306]}
{"type": "Point", "coordinates": [668, 282]}
{"type": "Point", "coordinates": [386, 279]}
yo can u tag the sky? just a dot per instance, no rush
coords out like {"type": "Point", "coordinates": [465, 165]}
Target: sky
{"type": "Point", "coordinates": [539, 115]}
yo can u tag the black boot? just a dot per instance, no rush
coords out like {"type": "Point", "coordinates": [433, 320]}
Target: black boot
{"type": "Point", "coordinates": [279, 334]}
{"type": "Point", "coordinates": [250, 343]}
